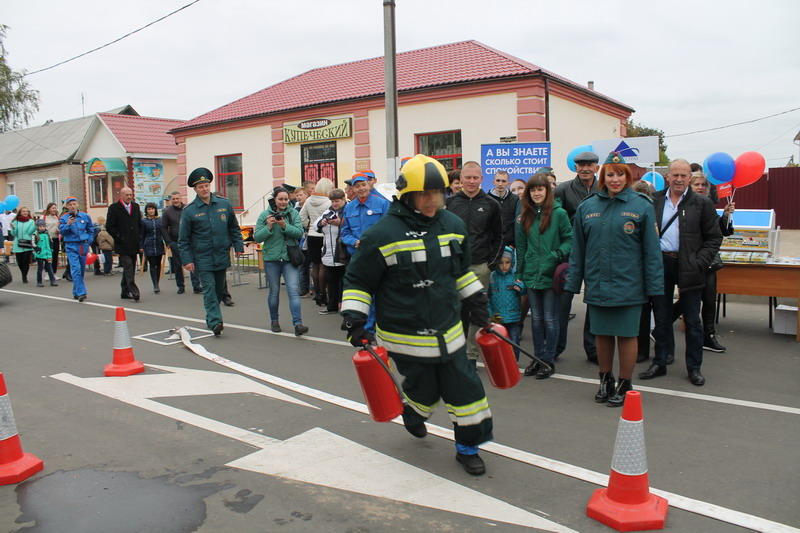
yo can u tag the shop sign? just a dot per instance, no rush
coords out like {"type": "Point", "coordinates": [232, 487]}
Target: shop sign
{"type": "Point", "coordinates": [520, 160]}
{"type": "Point", "coordinates": [321, 129]}
{"type": "Point", "coordinates": [97, 167]}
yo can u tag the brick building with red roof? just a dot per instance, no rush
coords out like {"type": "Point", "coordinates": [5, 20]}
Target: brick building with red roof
{"type": "Point", "coordinates": [330, 121]}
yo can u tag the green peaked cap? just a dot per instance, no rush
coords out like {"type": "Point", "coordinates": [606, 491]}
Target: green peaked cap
{"type": "Point", "coordinates": [615, 157]}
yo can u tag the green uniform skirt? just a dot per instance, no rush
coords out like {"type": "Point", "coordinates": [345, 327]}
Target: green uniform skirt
{"type": "Point", "coordinates": [614, 321]}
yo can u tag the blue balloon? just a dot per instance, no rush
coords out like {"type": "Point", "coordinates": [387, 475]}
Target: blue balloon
{"type": "Point", "coordinates": [2, 207]}
{"type": "Point", "coordinates": [654, 178]}
{"type": "Point", "coordinates": [575, 151]}
{"type": "Point", "coordinates": [719, 168]}
{"type": "Point", "coordinates": [12, 202]}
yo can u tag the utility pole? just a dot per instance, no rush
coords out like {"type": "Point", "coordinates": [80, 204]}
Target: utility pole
{"type": "Point", "coordinates": [390, 77]}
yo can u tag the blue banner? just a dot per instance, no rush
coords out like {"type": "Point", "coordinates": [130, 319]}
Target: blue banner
{"type": "Point", "coordinates": [520, 160]}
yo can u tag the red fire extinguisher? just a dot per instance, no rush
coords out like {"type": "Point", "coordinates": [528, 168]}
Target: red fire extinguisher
{"type": "Point", "coordinates": [379, 385]}
{"type": "Point", "coordinates": [498, 357]}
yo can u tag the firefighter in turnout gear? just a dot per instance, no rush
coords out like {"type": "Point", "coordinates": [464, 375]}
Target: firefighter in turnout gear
{"type": "Point", "coordinates": [414, 265]}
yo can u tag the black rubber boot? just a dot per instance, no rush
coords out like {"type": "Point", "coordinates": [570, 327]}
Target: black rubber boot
{"type": "Point", "coordinates": [623, 386]}
{"type": "Point", "coordinates": [606, 387]}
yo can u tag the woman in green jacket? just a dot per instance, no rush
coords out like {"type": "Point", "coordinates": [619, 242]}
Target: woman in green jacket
{"type": "Point", "coordinates": [22, 228]}
{"type": "Point", "coordinates": [617, 254]}
{"type": "Point", "coordinates": [544, 239]}
{"type": "Point", "coordinates": [278, 227]}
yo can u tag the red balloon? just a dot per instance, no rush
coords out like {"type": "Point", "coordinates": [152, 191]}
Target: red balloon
{"type": "Point", "coordinates": [91, 258]}
{"type": "Point", "coordinates": [749, 169]}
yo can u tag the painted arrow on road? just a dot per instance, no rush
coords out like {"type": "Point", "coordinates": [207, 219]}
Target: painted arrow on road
{"type": "Point", "coordinates": [351, 466]}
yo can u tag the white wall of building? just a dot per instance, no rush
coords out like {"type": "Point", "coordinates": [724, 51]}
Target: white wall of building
{"type": "Point", "coordinates": [255, 145]}
{"type": "Point", "coordinates": [481, 119]}
{"type": "Point", "coordinates": [573, 125]}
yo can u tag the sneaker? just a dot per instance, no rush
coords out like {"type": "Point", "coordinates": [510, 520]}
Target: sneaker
{"type": "Point", "coordinates": [227, 301]}
{"type": "Point", "coordinates": [53, 284]}
{"type": "Point", "coordinates": [473, 464]}
{"type": "Point", "coordinates": [217, 329]}
{"type": "Point", "coordinates": [300, 329]}
{"type": "Point", "coordinates": [82, 298]}
{"type": "Point", "coordinates": [39, 284]}
{"type": "Point", "coordinates": [198, 291]}
{"type": "Point", "coordinates": [710, 343]}
{"type": "Point", "coordinates": [181, 290]}
{"type": "Point", "coordinates": [276, 327]}
{"type": "Point", "coordinates": [328, 312]}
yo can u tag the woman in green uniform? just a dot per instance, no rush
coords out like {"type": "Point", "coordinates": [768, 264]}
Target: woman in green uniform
{"type": "Point", "coordinates": [616, 252]}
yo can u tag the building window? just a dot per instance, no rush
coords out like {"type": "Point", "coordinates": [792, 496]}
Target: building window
{"type": "Point", "coordinates": [443, 145]}
{"type": "Point", "coordinates": [38, 196]}
{"type": "Point", "coordinates": [98, 190]}
{"type": "Point", "coordinates": [11, 188]}
{"type": "Point", "coordinates": [229, 178]}
{"type": "Point", "coordinates": [319, 161]}
{"type": "Point", "coordinates": [52, 190]}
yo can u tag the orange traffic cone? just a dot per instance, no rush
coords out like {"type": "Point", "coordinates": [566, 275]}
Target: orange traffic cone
{"type": "Point", "coordinates": [124, 364]}
{"type": "Point", "coordinates": [15, 465]}
{"type": "Point", "coordinates": [627, 505]}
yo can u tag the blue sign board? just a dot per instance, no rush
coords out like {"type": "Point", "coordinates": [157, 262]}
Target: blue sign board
{"type": "Point", "coordinates": [520, 160]}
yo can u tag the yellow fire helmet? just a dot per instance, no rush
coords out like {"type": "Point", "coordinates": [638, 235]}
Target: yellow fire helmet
{"type": "Point", "coordinates": [421, 173]}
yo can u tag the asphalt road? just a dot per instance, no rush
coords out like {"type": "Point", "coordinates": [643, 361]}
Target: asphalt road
{"type": "Point", "coordinates": [272, 435]}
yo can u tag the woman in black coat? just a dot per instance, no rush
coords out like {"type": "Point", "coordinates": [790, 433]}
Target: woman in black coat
{"type": "Point", "coordinates": [152, 243]}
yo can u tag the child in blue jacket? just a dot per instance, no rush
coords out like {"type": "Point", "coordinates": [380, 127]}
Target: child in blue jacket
{"type": "Point", "coordinates": [504, 297]}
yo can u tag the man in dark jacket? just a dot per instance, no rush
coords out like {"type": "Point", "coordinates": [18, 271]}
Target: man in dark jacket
{"type": "Point", "coordinates": [690, 239]}
{"type": "Point", "coordinates": [170, 225]}
{"type": "Point", "coordinates": [482, 215]}
{"type": "Point", "coordinates": [415, 263]}
{"type": "Point", "coordinates": [571, 194]}
{"type": "Point", "coordinates": [208, 232]}
{"type": "Point", "coordinates": [122, 222]}
{"type": "Point", "coordinates": [508, 203]}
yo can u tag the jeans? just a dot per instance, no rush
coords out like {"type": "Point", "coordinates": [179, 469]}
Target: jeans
{"type": "Point", "coordinates": [564, 309]}
{"type": "Point", "coordinates": [515, 334]}
{"type": "Point", "coordinates": [544, 316]}
{"type": "Point", "coordinates": [482, 271]}
{"type": "Point", "coordinates": [690, 307]}
{"type": "Point", "coordinates": [291, 276]}
{"type": "Point", "coordinates": [108, 257]}
{"type": "Point", "coordinates": [45, 266]}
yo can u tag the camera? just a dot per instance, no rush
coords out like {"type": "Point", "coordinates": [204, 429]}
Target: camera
{"type": "Point", "coordinates": [278, 216]}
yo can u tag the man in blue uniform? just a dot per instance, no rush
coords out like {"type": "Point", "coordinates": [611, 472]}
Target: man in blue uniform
{"type": "Point", "coordinates": [77, 231]}
{"type": "Point", "coordinates": [207, 231]}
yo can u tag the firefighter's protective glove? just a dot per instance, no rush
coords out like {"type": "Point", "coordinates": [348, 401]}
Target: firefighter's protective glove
{"type": "Point", "coordinates": [478, 307]}
{"type": "Point", "coordinates": [356, 334]}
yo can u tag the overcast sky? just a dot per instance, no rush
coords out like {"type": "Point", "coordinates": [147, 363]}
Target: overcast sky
{"type": "Point", "coordinates": [683, 65]}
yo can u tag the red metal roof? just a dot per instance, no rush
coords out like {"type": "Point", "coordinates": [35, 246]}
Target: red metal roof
{"type": "Point", "coordinates": [446, 64]}
{"type": "Point", "coordinates": [143, 135]}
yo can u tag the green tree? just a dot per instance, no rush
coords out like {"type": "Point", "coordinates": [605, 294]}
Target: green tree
{"type": "Point", "coordinates": [640, 130]}
{"type": "Point", "coordinates": [18, 102]}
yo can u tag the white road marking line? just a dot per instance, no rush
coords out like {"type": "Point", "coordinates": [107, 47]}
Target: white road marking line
{"type": "Point", "coordinates": [710, 510]}
{"type": "Point", "coordinates": [654, 390]}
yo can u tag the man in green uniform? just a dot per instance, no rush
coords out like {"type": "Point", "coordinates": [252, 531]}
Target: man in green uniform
{"type": "Point", "coordinates": [415, 264]}
{"type": "Point", "coordinates": [208, 229]}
